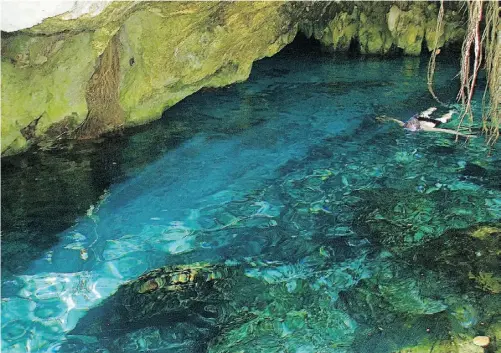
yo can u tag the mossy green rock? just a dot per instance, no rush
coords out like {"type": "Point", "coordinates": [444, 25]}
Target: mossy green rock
{"type": "Point", "coordinates": [473, 255]}
{"type": "Point", "coordinates": [340, 31]}
{"type": "Point", "coordinates": [449, 346]}
{"type": "Point", "coordinates": [195, 45]}
{"type": "Point", "coordinates": [43, 78]}
{"type": "Point", "coordinates": [376, 29]}
{"type": "Point", "coordinates": [174, 293]}
{"type": "Point", "coordinates": [169, 50]}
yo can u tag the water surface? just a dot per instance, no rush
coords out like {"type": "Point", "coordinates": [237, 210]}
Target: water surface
{"type": "Point", "coordinates": [287, 175]}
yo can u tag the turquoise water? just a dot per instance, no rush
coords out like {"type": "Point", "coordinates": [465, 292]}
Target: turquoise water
{"type": "Point", "coordinates": [331, 214]}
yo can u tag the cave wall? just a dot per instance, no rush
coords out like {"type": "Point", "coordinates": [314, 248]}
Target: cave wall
{"type": "Point", "coordinates": [378, 27]}
{"type": "Point", "coordinates": [139, 58]}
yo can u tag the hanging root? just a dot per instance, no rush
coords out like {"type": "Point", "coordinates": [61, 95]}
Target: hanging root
{"type": "Point", "coordinates": [435, 51]}
{"type": "Point", "coordinates": [478, 43]}
{"type": "Point", "coordinates": [468, 76]}
{"type": "Point", "coordinates": [491, 112]}
{"type": "Point", "coordinates": [105, 113]}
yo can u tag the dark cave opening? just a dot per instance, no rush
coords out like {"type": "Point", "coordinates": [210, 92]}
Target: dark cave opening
{"type": "Point", "coordinates": [304, 45]}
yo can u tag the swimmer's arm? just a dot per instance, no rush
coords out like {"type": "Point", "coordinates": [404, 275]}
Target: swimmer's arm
{"type": "Point", "coordinates": [447, 131]}
{"type": "Point", "coordinates": [384, 118]}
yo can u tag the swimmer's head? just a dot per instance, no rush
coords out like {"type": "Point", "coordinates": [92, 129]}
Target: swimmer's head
{"type": "Point", "coordinates": [412, 124]}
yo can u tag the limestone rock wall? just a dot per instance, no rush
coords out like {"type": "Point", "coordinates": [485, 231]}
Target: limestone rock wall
{"type": "Point", "coordinates": [195, 45]}
{"type": "Point", "coordinates": [169, 50]}
{"type": "Point", "coordinates": [377, 28]}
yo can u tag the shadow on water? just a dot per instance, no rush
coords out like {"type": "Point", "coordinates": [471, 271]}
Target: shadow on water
{"type": "Point", "coordinates": [45, 191]}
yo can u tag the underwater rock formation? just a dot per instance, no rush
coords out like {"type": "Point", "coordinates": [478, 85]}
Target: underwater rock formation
{"type": "Point", "coordinates": [80, 77]}
{"type": "Point", "coordinates": [218, 308]}
{"type": "Point", "coordinates": [198, 300]}
{"type": "Point", "coordinates": [399, 219]}
{"type": "Point", "coordinates": [268, 305]}
{"type": "Point", "coordinates": [471, 257]}
{"type": "Point", "coordinates": [446, 346]}
{"type": "Point", "coordinates": [445, 290]}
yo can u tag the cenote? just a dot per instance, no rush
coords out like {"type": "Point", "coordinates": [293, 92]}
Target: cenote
{"type": "Point", "coordinates": [271, 215]}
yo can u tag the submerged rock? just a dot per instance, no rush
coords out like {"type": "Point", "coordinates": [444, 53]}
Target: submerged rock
{"type": "Point", "coordinates": [445, 346]}
{"type": "Point", "coordinates": [400, 218]}
{"type": "Point", "coordinates": [466, 262]}
{"type": "Point", "coordinates": [394, 293]}
{"type": "Point", "coordinates": [227, 308]}
{"type": "Point", "coordinates": [470, 257]}
{"type": "Point", "coordinates": [482, 341]}
{"type": "Point", "coordinates": [198, 300]}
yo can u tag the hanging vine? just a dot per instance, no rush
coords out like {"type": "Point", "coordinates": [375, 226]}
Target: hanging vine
{"type": "Point", "coordinates": [481, 46]}
{"type": "Point", "coordinates": [435, 51]}
{"type": "Point", "coordinates": [491, 112]}
{"type": "Point", "coordinates": [469, 75]}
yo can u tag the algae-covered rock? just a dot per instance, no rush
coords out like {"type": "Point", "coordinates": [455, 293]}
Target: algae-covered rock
{"type": "Point", "coordinates": [487, 281]}
{"type": "Point", "coordinates": [418, 23]}
{"type": "Point", "coordinates": [199, 299]}
{"type": "Point", "coordinates": [494, 333]}
{"type": "Point", "coordinates": [199, 44]}
{"type": "Point", "coordinates": [169, 294]}
{"type": "Point", "coordinates": [485, 232]}
{"type": "Point", "coordinates": [400, 219]}
{"type": "Point", "coordinates": [378, 28]}
{"type": "Point", "coordinates": [470, 256]}
{"type": "Point", "coordinates": [373, 35]}
{"type": "Point", "coordinates": [404, 296]}
{"type": "Point", "coordinates": [225, 308]}
{"type": "Point", "coordinates": [394, 292]}
{"type": "Point", "coordinates": [44, 80]}
{"type": "Point", "coordinates": [458, 345]}
{"type": "Point", "coordinates": [341, 30]}
{"type": "Point", "coordinates": [167, 50]}
{"type": "Point", "coordinates": [407, 28]}
{"type": "Point", "coordinates": [60, 80]}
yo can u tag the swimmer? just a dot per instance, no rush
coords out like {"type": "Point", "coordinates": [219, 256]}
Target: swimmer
{"type": "Point", "coordinates": [423, 122]}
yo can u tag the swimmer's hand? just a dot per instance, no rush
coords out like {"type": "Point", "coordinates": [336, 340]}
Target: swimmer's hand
{"type": "Point", "coordinates": [384, 119]}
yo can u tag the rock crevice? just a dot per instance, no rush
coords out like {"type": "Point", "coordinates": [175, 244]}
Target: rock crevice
{"type": "Point", "coordinates": [102, 96]}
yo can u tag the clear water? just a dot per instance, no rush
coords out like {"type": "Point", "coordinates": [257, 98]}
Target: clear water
{"type": "Point", "coordinates": [287, 175]}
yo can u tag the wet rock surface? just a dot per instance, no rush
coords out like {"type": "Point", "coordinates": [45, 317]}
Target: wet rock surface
{"type": "Point", "coordinates": [169, 50]}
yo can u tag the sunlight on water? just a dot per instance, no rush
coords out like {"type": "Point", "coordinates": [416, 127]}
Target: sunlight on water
{"type": "Point", "coordinates": [288, 175]}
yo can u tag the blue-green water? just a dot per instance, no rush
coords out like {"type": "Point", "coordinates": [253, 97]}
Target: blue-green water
{"type": "Point", "coordinates": [347, 223]}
